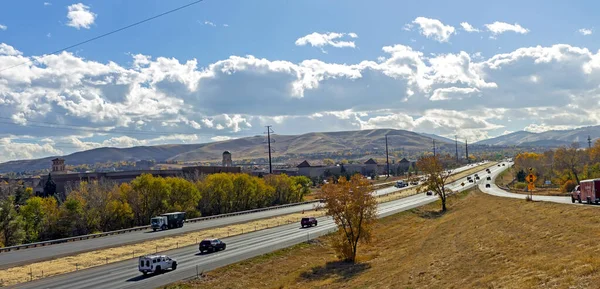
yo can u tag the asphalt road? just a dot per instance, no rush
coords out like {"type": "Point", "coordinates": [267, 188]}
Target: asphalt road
{"type": "Point", "coordinates": [496, 191]}
{"type": "Point", "coordinates": [125, 274]}
{"type": "Point", "coordinates": [26, 256]}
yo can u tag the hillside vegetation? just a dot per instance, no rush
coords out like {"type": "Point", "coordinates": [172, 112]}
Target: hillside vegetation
{"type": "Point", "coordinates": [301, 146]}
{"type": "Point", "coordinates": [481, 242]}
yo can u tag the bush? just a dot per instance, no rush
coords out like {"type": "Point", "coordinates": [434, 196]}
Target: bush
{"type": "Point", "coordinates": [568, 186]}
{"type": "Point", "coordinates": [520, 186]}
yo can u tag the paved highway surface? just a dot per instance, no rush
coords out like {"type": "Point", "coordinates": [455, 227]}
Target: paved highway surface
{"type": "Point", "coordinates": [496, 191]}
{"type": "Point", "coordinates": [26, 256]}
{"type": "Point", "coordinates": [125, 274]}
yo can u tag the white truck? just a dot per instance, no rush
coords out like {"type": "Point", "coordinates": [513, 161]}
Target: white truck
{"type": "Point", "coordinates": [168, 221]}
{"type": "Point", "coordinates": [156, 264]}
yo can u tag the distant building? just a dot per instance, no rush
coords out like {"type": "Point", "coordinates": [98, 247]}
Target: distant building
{"type": "Point", "coordinates": [64, 179]}
{"type": "Point", "coordinates": [58, 166]}
{"type": "Point", "coordinates": [144, 164]}
{"type": "Point", "coordinates": [227, 162]}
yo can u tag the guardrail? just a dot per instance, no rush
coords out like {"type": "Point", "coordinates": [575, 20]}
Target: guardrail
{"type": "Point", "coordinates": [117, 232]}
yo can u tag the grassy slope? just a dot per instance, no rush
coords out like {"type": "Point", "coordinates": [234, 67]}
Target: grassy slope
{"type": "Point", "coordinates": [482, 242]}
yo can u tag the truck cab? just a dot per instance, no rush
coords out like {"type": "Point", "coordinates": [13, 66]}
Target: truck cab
{"type": "Point", "coordinates": [159, 222]}
{"type": "Point", "coordinates": [156, 264]}
{"type": "Point", "coordinates": [576, 194]}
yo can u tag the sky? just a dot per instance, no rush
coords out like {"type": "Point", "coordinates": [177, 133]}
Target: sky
{"type": "Point", "coordinates": [223, 69]}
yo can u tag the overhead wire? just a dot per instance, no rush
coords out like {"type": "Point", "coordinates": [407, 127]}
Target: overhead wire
{"type": "Point", "coordinates": [108, 33]}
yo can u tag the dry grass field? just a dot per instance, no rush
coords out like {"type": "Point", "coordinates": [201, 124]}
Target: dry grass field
{"type": "Point", "coordinates": [481, 242]}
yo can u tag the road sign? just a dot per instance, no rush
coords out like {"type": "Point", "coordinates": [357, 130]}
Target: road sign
{"type": "Point", "coordinates": [530, 187]}
{"type": "Point", "coordinates": [530, 178]}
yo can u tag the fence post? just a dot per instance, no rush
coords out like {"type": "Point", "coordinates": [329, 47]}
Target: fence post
{"type": "Point", "coordinates": [196, 271]}
{"type": "Point", "coordinates": [156, 249]}
{"type": "Point", "coordinates": [30, 274]}
{"type": "Point", "coordinates": [177, 245]}
{"type": "Point", "coordinates": [133, 254]}
{"type": "Point", "coordinates": [76, 267]}
{"type": "Point", "coordinates": [106, 258]}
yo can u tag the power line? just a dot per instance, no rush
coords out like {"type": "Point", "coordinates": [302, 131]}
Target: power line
{"type": "Point", "coordinates": [109, 33]}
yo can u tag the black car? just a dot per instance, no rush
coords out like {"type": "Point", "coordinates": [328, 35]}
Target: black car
{"type": "Point", "coordinates": [429, 193]}
{"type": "Point", "coordinates": [211, 245]}
{"type": "Point", "coordinates": [308, 222]}
{"type": "Point", "coordinates": [487, 185]}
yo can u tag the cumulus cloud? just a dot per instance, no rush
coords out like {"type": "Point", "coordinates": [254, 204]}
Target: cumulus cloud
{"type": "Point", "coordinates": [3, 27]}
{"type": "Point", "coordinates": [47, 3]}
{"type": "Point", "coordinates": [434, 29]}
{"type": "Point", "coordinates": [80, 16]}
{"type": "Point", "coordinates": [332, 39]}
{"type": "Point", "coordinates": [468, 27]}
{"type": "Point", "coordinates": [11, 150]}
{"type": "Point", "coordinates": [585, 31]}
{"type": "Point", "coordinates": [206, 22]}
{"type": "Point", "coordinates": [155, 100]}
{"type": "Point", "coordinates": [502, 27]}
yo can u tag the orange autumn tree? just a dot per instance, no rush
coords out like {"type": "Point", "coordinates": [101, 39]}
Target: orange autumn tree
{"type": "Point", "coordinates": [353, 209]}
{"type": "Point", "coordinates": [436, 176]}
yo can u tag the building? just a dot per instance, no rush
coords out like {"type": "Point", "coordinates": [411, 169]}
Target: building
{"type": "Point", "coordinates": [58, 166]}
{"type": "Point", "coordinates": [227, 162]}
{"type": "Point", "coordinates": [65, 180]}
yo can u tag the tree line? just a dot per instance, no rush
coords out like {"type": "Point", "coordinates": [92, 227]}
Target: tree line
{"type": "Point", "coordinates": [101, 206]}
{"type": "Point", "coordinates": [565, 166]}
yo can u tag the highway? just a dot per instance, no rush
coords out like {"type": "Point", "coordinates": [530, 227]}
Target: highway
{"type": "Point", "coordinates": [496, 191]}
{"type": "Point", "coordinates": [125, 274]}
{"type": "Point", "coordinates": [27, 256]}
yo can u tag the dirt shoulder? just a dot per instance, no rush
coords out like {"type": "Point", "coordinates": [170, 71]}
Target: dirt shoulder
{"type": "Point", "coordinates": [481, 242]}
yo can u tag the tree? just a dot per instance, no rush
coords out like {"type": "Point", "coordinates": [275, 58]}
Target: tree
{"type": "Point", "coordinates": [328, 162]}
{"type": "Point", "coordinates": [184, 196]}
{"type": "Point", "coordinates": [49, 187]}
{"type": "Point", "coordinates": [11, 224]}
{"type": "Point", "coordinates": [571, 159]}
{"type": "Point", "coordinates": [436, 176]}
{"type": "Point", "coordinates": [354, 210]}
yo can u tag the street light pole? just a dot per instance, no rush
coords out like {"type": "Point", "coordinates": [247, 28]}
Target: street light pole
{"type": "Point", "coordinates": [387, 157]}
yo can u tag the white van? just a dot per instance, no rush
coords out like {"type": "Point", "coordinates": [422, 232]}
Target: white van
{"type": "Point", "coordinates": [156, 263]}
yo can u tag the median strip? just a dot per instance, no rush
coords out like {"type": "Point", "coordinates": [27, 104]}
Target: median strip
{"type": "Point", "coordinates": [90, 259]}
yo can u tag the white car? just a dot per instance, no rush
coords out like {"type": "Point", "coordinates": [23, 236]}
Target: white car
{"type": "Point", "coordinates": [156, 263]}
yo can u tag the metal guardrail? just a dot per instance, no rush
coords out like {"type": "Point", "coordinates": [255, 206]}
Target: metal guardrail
{"type": "Point", "coordinates": [117, 232]}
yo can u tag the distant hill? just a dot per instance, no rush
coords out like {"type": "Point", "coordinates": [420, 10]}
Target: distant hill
{"type": "Point", "coordinates": [246, 148]}
{"type": "Point", "coordinates": [552, 138]}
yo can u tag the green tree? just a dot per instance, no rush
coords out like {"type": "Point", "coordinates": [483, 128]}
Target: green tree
{"type": "Point", "coordinates": [71, 218]}
{"type": "Point", "coordinates": [11, 224]}
{"type": "Point", "coordinates": [184, 196]}
{"type": "Point", "coordinates": [153, 194]}
{"type": "Point", "coordinates": [33, 215]}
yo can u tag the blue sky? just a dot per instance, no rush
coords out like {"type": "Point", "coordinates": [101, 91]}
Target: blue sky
{"type": "Point", "coordinates": [205, 73]}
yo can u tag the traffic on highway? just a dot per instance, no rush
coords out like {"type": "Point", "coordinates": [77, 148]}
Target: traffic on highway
{"type": "Point", "coordinates": [190, 261]}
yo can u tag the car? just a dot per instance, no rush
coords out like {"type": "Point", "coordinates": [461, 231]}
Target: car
{"type": "Point", "coordinates": [211, 245]}
{"type": "Point", "coordinates": [498, 164]}
{"type": "Point", "coordinates": [308, 222]}
{"type": "Point", "coordinates": [429, 193]}
{"type": "Point", "coordinates": [487, 185]}
{"type": "Point", "coordinates": [470, 180]}
{"type": "Point", "coordinates": [477, 177]}
{"type": "Point", "coordinates": [489, 178]}
{"type": "Point", "coordinates": [156, 264]}
{"type": "Point", "coordinates": [414, 183]}
{"type": "Point", "coordinates": [503, 165]}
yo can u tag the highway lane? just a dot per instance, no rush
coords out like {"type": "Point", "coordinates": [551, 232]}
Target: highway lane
{"type": "Point", "coordinates": [125, 275]}
{"type": "Point", "coordinates": [496, 191]}
{"type": "Point", "coordinates": [26, 256]}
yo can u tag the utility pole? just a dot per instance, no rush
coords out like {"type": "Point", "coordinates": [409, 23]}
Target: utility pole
{"type": "Point", "coordinates": [589, 141]}
{"type": "Point", "coordinates": [456, 143]}
{"type": "Point", "coordinates": [467, 150]}
{"type": "Point", "coordinates": [269, 141]}
{"type": "Point", "coordinates": [387, 158]}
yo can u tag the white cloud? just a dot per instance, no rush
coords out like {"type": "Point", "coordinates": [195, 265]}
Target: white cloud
{"type": "Point", "coordinates": [327, 39]}
{"type": "Point", "coordinates": [468, 27]}
{"type": "Point", "coordinates": [3, 27]}
{"type": "Point", "coordinates": [80, 16]}
{"type": "Point", "coordinates": [220, 138]}
{"type": "Point", "coordinates": [450, 93]}
{"type": "Point", "coordinates": [501, 27]}
{"type": "Point", "coordinates": [206, 22]}
{"type": "Point", "coordinates": [585, 31]}
{"type": "Point", "coordinates": [434, 29]}
{"type": "Point", "coordinates": [11, 150]}
{"type": "Point", "coordinates": [225, 25]}
{"type": "Point", "coordinates": [49, 35]}
{"type": "Point", "coordinates": [47, 3]}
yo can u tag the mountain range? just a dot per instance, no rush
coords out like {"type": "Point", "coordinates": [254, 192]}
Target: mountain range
{"type": "Point", "coordinates": [299, 146]}
{"type": "Point", "coordinates": [316, 144]}
{"type": "Point", "coordinates": [550, 139]}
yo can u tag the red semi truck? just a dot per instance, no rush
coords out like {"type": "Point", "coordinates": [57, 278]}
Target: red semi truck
{"type": "Point", "coordinates": [588, 190]}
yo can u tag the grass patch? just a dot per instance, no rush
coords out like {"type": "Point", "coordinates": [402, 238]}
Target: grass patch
{"type": "Point", "coordinates": [482, 241]}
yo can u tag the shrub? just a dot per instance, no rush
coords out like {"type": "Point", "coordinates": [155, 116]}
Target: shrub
{"type": "Point", "coordinates": [568, 186]}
